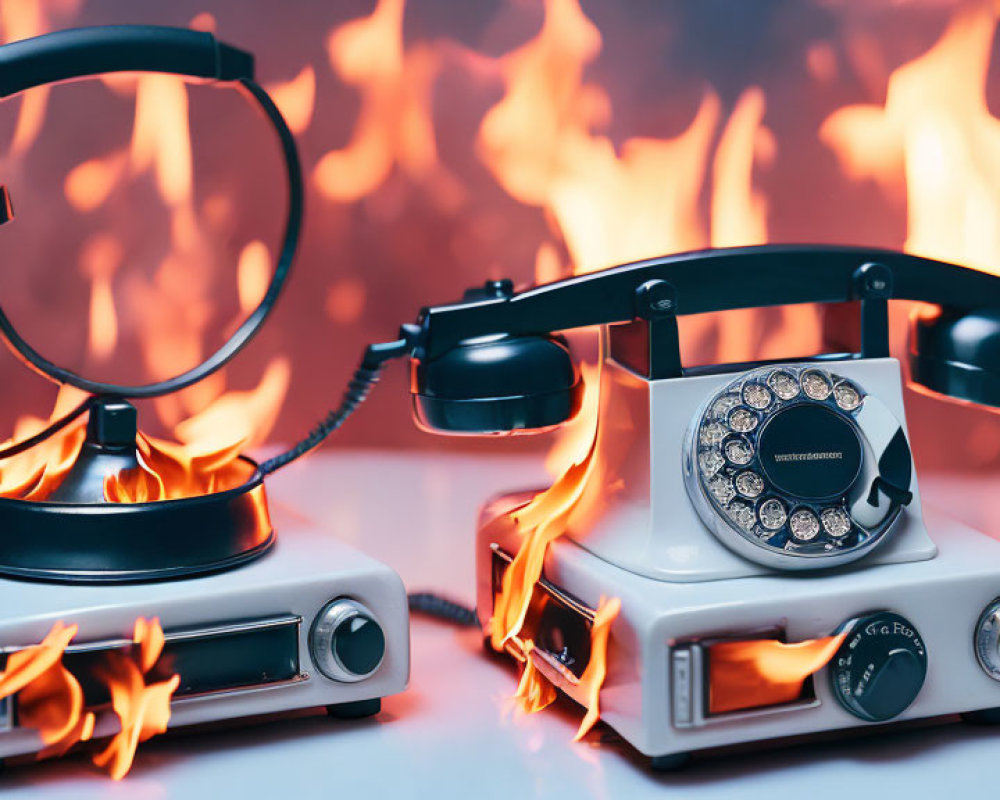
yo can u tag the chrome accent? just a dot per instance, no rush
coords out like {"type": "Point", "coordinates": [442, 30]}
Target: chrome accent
{"type": "Point", "coordinates": [875, 425]}
{"type": "Point", "coordinates": [333, 615]}
{"type": "Point", "coordinates": [986, 641]}
{"type": "Point", "coordinates": [175, 635]}
{"type": "Point", "coordinates": [6, 714]}
{"type": "Point", "coordinates": [302, 677]}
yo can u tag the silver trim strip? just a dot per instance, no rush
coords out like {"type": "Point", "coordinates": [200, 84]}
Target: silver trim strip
{"type": "Point", "coordinates": [180, 635]}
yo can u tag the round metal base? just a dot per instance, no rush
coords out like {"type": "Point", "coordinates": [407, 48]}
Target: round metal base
{"type": "Point", "coordinates": [131, 542]}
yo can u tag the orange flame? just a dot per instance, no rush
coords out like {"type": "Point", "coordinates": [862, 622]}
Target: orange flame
{"type": "Point", "coordinates": [99, 259]}
{"type": "Point", "coordinates": [253, 274]}
{"type": "Point", "coordinates": [764, 672]}
{"type": "Point", "coordinates": [31, 475]}
{"type": "Point", "coordinates": [169, 471]}
{"type": "Point", "coordinates": [296, 99]}
{"type": "Point", "coordinates": [597, 668]}
{"type": "Point", "coordinates": [394, 125]}
{"type": "Point", "coordinates": [534, 692]}
{"type": "Point", "coordinates": [88, 185]}
{"type": "Point", "coordinates": [50, 699]}
{"type": "Point", "coordinates": [23, 20]}
{"type": "Point", "coordinates": [935, 135]}
{"type": "Point", "coordinates": [142, 709]}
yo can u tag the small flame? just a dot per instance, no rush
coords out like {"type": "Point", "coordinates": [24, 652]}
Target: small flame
{"type": "Point", "coordinates": [160, 138]}
{"type": "Point", "coordinates": [253, 274]}
{"type": "Point", "coordinates": [142, 709]}
{"type": "Point", "coordinates": [31, 475]}
{"type": "Point", "coordinates": [88, 185]}
{"type": "Point", "coordinates": [597, 668]}
{"type": "Point", "coordinates": [50, 699]}
{"type": "Point", "coordinates": [534, 691]}
{"type": "Point", "coordinates": [22, 20]}
{"type": "Point", "coordinates": [296, 99]}
{"type": "Point", "coordinates": [170, 471]}
{"type": "Point", "coordinates": [100, 258]}
{"type": "Point", "coordinates": [764, 672]}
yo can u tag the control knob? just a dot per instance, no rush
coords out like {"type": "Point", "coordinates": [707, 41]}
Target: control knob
{"type": "Point", "coordinates": [346, 641]}
{"type": "Point", "coordinates": [880, 666]}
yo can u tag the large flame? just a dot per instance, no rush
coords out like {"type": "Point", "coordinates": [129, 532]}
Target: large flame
{"type": "Point", "coordinates": [143, 709]}
{"type": "Point", "coordinates": [763, 672]}
{"type": "Point", "coordinates": [609, 206]}
{"type": "Point", "coordinates": [935, 135]}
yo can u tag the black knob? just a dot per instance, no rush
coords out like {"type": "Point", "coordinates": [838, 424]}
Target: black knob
{"type": "Point", "coordinates": [880, 667]}
{"type": "Point", "coordinates": [359, 644]}
{"type": "Point", "coordinates": [346, 641]}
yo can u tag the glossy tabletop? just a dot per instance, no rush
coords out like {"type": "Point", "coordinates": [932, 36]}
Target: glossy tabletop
{"type": "Point", "coordinates": [454, 733]}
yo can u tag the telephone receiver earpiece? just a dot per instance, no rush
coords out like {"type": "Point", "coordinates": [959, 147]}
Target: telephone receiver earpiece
{"type": "Point", "coordinates": [497, 385]}
{"type": "Point", "coordinates": [956, 352]}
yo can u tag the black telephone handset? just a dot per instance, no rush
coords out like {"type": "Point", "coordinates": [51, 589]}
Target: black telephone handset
{"type": "Point", "coordinates": [495, 364]}
{"type": "Point", "coordinates": [491, 364]}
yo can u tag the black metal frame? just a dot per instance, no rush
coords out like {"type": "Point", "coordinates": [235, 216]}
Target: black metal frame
{"type": "Point", "coordinates": [642, 300]}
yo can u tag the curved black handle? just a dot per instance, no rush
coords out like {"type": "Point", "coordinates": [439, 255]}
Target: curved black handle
{"type": "Point", "coordinates": [703, 281]}
{"type": "Point", "coordinates": [82, 52]}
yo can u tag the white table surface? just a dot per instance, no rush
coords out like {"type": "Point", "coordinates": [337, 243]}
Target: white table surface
{"type": "Point", "coordinates": [453, 732]}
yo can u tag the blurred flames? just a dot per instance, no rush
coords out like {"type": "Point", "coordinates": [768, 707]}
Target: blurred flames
{"type": "Point", "coordinates": [296, 99]}
{"type": "Point", "coordinates": [394, 124]}
{"type": "Point", "coordinates": [936, 140]}
{"type": "Point", "coordinates": [608, 207]}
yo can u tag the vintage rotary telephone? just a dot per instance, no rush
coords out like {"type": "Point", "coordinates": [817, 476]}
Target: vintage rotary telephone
{"type": "Point", "coordinates": [798, 465]}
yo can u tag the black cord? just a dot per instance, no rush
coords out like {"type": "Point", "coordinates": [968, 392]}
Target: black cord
{"type": "Point", "coordinates": [365, 377]}
{"type": "Point", "coordinates": [45, 433]}
{"type": "Point", "coordinates": [249, 327]}
{"type": "Point", "coordinates": [436, 605]}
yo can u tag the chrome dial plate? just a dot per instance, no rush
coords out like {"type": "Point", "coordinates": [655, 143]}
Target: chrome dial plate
{"type": "Point", "coordinates": [796, 467]}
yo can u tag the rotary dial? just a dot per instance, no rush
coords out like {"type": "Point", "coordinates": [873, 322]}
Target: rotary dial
{"type": "Point", "coordinates": [797, 467]}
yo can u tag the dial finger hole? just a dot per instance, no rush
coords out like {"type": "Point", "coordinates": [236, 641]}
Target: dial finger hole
{"type": "Point", "coordinates": [847, 397]}
{"type": "Point", "coordinates": [757, 396]}
{"type": "Point", "coordinates": [803, 525]}
{"type": "Point", "coordinates": [742, 420]}
{"type": "Point", "coordinates": [749, 484]}
{"type": "Point", "coordinates": [738, 451]}
{"type": "Point", "coordinates": [783, 384]}
{"type": "Point", "coordinates": [816, 385]}
{"type": "Point", "coordinates": [772, 514]}
{"type": "Point", "coordinates": [835, 522]}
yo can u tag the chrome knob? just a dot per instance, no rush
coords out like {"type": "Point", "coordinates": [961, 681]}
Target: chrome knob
{"type": "Point", "coordinates": [346, 641]}
{"type": "Point", "coordinates": [987, 640]}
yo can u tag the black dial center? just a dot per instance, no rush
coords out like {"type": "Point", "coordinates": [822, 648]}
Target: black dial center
{"type": "Point", "coordinates": [359, 644]}
{"type": "Point", "coordinates": [810, 451]}
{"type": "Point", "coordinates": [879, 669]}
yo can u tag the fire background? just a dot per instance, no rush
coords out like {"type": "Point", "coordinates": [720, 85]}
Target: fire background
{"type": "Point", "coordinates": [446, 143]}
